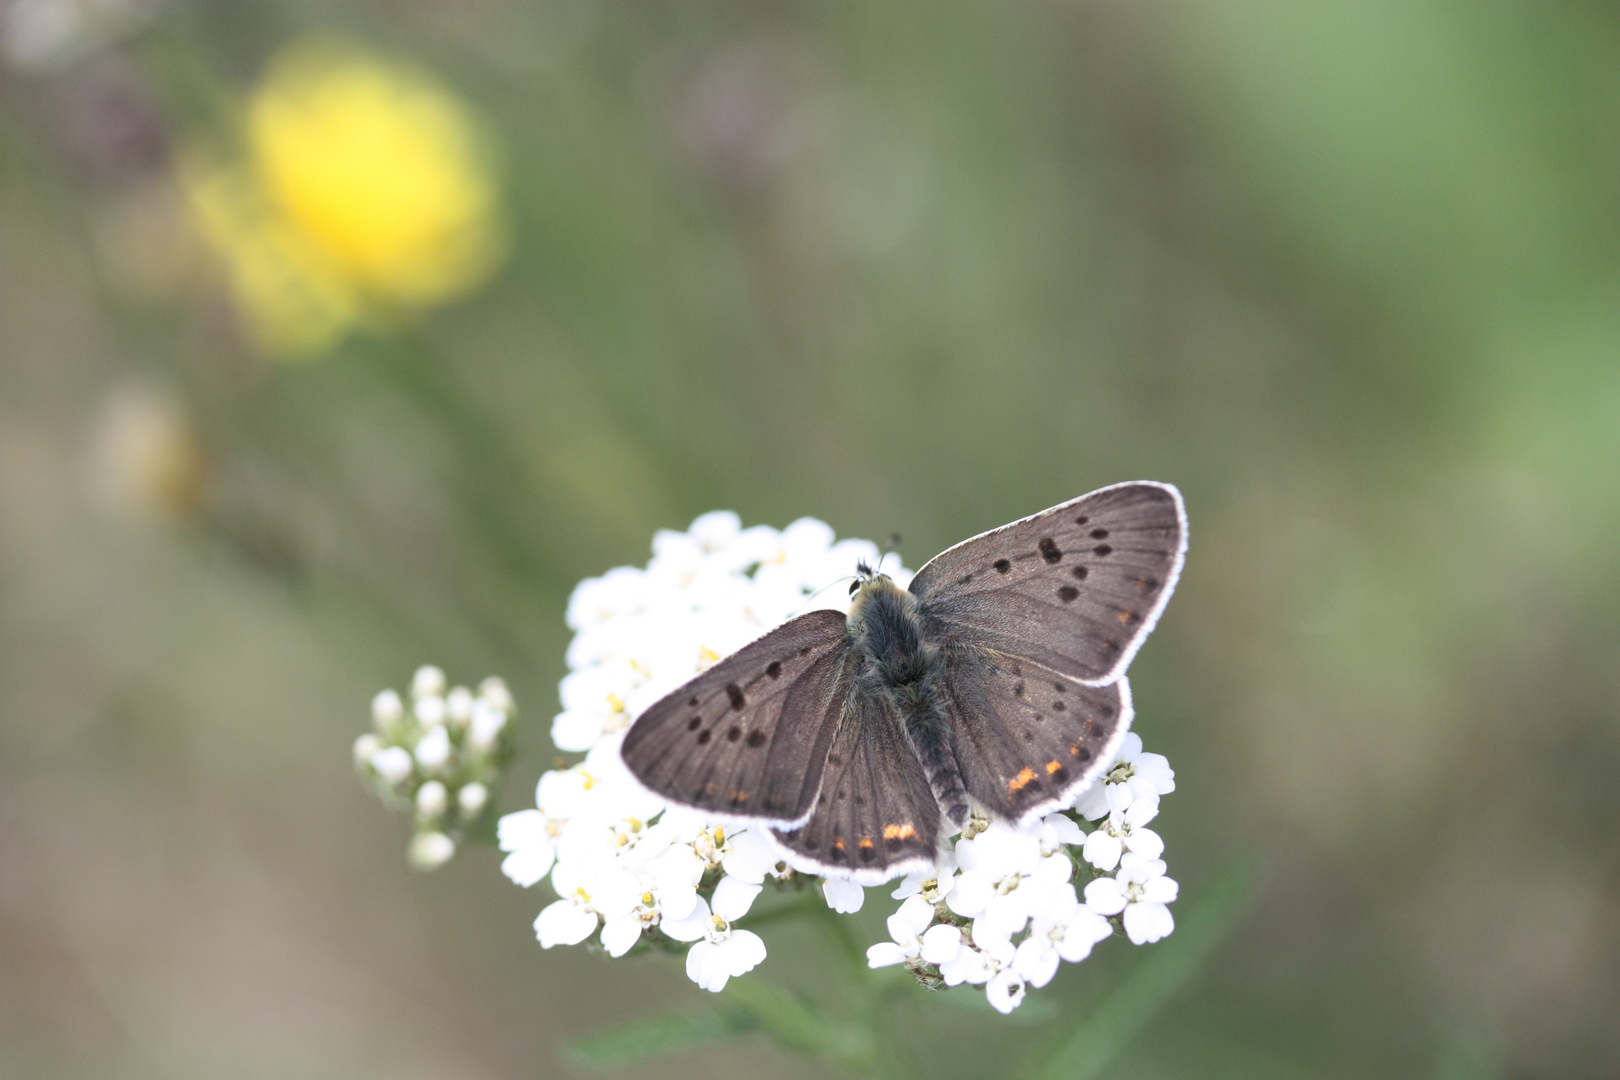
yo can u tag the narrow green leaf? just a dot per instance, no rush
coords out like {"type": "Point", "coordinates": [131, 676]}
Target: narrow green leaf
{"type": "Point", "coordinates": [656, 1037]}
{"type": "Point", "coordinates": [1168, 966]}
{"type": "Point", "coordinates": [796, 1024]}
{"type": "Point", "coordinates": [751, 1005]}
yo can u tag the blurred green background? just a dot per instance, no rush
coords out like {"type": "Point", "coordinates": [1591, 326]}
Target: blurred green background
{"type": "Point", "coordinates": [1349, 274]}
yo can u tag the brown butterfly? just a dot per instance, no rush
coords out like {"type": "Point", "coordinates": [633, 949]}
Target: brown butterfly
{"type": "Point", "coordinates": [995, 682]}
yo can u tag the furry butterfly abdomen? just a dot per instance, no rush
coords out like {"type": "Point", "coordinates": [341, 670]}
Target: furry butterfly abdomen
{"type": "Point", "coordinates": [997, 682]}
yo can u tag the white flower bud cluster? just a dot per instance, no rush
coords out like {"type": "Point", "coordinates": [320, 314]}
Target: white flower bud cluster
{"type": "Point", "coordinates": [439, 758]}
{"type": "Point", "coordinates": [1008, 910]}
{"type": "Point", "coordinates": [631, 870]}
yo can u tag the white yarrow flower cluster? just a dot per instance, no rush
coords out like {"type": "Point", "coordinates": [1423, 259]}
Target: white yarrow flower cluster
{"type": "Point", "coordinates": [629, 869]}
{"type": "Point", "coordinates": [440, 758]}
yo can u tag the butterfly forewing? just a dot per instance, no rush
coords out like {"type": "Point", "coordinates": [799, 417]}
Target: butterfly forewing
{"type": "Point", "coordinates": [1075, 588]}
{"type": "Point", "coordinates": [1027, 739]}
{"type": "Point", "coordinates": [750, 736]}
{"type": "Point", "coordinates": [877, 814]}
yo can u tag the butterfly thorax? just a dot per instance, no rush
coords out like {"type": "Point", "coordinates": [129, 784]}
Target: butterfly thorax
{"type": "Point", "coordinates": [901, 664]}
{"type": "Point", "coordinates": [883, 621]}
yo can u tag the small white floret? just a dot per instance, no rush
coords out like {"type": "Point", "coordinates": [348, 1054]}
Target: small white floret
{"type": "Point", "coordinates": [487, 724]}
{"type": "Point", "coordinates": [748, 855]}
{"type": "Point", "coordinates": [1141, 893]}
{"type": "Point", "coordinates": [843, 895]}
{"type": "Point", "coordinates": [427, 682]}
{"type": "Point", "coordinates": [1005, 991]}
{"type": "Point", "coordinates": [940, 943]}
{"type": "Point", "coordinates": [387, 709]}
{"type": "Point", "coordinates": [692, 925]}
{"type": "Point", "coordinates": [529, 836]}
{"type": "Point", "coordinates": [968, 966]}
{"type": "Point", "coordinates": [364, 747]}
{"type": "Point", "coordinates": [471, 799]}
{"type": "Point", "coordinates": [429, 710]}
{"type": "Point", "coordinates": [392, 763]}
{"type": "Point", "coordinates": [431, 850]}
{"type": "Point", "coordinates": [432, 800]}
{"type": "Point", "coordinates": [433, 751]}
{"type": "Point", "coordinates": [494, 691]}
{"type": "Point", "coordinates": [733, 897]}
{"type": "Point", "coordinates": [915, 937]}
{"type": "Point", "coordinates": [720, 955]}
{"type": "Point", "coordinates": [566, 922]}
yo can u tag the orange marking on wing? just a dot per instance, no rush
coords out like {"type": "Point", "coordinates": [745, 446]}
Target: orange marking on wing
{"type": "Point", "coordinates": [1024, 776]}
{"type": "Point", "coordinates": [739, 796]}
{"type": "Point", "coordinates": [838, 842]}
{"type": "Point", "coordinates": [866, 841]}
{"type": "Point", "coordinates": [1074, 749]}
{"type": "Point", "coordinates": [1052, 767]}
{"type": "Point", "coordinates": [899, 832]}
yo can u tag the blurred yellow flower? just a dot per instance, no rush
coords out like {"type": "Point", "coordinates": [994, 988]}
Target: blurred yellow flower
{"type": "Point", "coordinates": [366, 188]}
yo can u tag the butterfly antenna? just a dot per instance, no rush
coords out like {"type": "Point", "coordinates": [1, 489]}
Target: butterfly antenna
{"type": "Point", "coordinates": [890, 548]}
{"type": "Point", "coordinates": [831, 585]}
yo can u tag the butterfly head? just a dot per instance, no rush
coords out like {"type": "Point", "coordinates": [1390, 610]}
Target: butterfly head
{"type": "Point", "coordinates": [870, 584]}
{"type": "Point", "coordinates": [863, 574]}
{"type": "Point", "coordinates": [866, 577]}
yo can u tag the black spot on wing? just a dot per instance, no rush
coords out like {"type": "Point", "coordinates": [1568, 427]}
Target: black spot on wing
{"type": "Point", "coordinates": [1079, 573]}
{"type": "Point", "coordinates": [1068, 594]}
{"type": "Point", "coordinates": [1102, 550]}
{"type": "Point", "coordinates": [734, 692]}
{"type": "Point", "coordinates": [1002, 565]}
{"type": "Point", "coordinates": [703, 738]}
{"type": "Point", "coordinates": [1049, 550]}
{"type": "Point", "coordinates": [733, 733]}
{"type": "Point", "coordinates": [1099, 534]}
{"type": "Point", "coordinates": [694, 723]}
{"type": "Point", "coordinates": [756, 739]}
{"type": "Point", "coordinates": [774, 669]}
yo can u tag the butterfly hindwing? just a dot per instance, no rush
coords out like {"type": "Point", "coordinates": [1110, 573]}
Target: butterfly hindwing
{"type": "Point", "coordinates": [877, 815]}
{"type": "Point", "coordinates": [1075, 588]}
{"type": "Point", "coordinates": [749, 737]}
{"type": "Point", "coordinates": [1028, 739]}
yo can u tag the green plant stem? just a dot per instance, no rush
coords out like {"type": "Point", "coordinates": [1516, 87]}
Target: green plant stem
{"type": "Point", "coordinates": [1168, 967]}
